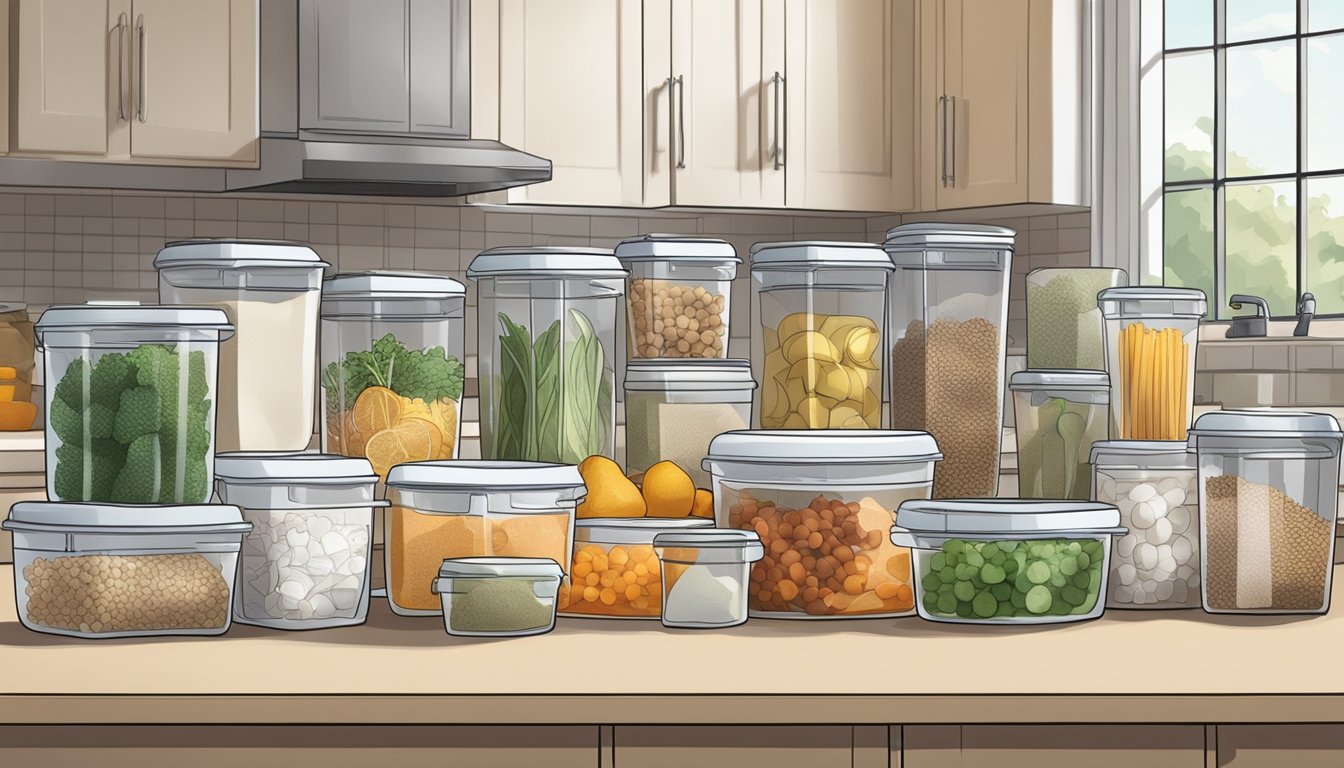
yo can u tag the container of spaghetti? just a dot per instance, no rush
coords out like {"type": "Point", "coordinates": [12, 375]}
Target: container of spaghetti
{"type": "Point", "coordinates": [1151, 334]}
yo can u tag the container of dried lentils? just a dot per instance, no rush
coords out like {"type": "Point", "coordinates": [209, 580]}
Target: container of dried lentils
{"type": "Point", "coordinates": [823, 502]}
{"type": "Point", "coordinates": [949, 305]}
{"type": "Point", "coordinates": [678, 296]}
{"type": "Point", "coordinates": [100, 570]}
{"type": "Point", "coordinates": [1268, 491]}
{"type": "Point", "coordinates": [615, 572]}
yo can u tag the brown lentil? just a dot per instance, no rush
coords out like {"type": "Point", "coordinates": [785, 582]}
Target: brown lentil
{"type": "Point", "coordinates": [126, 593]}
{"type": "Point", "coordinates": [673, 320]}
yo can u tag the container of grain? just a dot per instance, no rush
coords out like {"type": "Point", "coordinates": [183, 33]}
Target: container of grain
{"type": "Point", "coordinates": [1151, 334]}
{"type": "Point", "coordinates": [1009, 561]}
{"type": "Point", "coordinates": [498, 596]}
{"type": "Point", "coordinates": [131, 393]}
{"type": "Point", "coordinates": [706, 572]}
{"type": "Point", "coordinates": [1064, 324]}
{"type": "Point", "coordinates": [547, 343]}
{"type": "Point", "coordinates": [615, 572]}
{"type": "Point", "coordinates": [453, 509]}
{"type": "Point", "coordinates": [1059, 415]}
{"type": "Point", "coordinates": [822, 502]}
{"type": "Point", "coordinates": [949, 304]}
{"type": "Point", "coordinates": [1268, 491]}
{"type": "Point", "coordinates": [678, 296]}
{"type": "Point", "coordinates": [674, 408]}
{"type": "Point", "coordinates": [270, 291]}
{"type": "Point", "coordinates": [1155, 485]}
{"type": "Point", "coordinates": [818, 351]}
{"type": "Point", "coordinates": [100, 570]}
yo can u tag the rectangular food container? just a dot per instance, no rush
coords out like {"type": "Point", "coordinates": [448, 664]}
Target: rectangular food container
{"type": "Point", "coordinates": [1151, 336]}
{"type": "Point", "coordinates": [99, 570]}
{"type": "Point", "coordinates": [615, 572]}
{"type": "Point", "coordinates": [1064, 324]}
{"type": "Point", "coordinates": [1009, 561]}
{"type": "Point", "coordinates": [674, 408]}
{"type": "Point", "coordinates": [705, 576]}
{"type": "Point", "coordinates": [18, 410]}
{"type": "Point", "coordinates": [822, 503]}
{"type": "Point", "coordinates": [678, 295]}
{"type": "Point", "coordinates": [498, 596]}
{"type": "Point", "coordinates": [1059, 415]}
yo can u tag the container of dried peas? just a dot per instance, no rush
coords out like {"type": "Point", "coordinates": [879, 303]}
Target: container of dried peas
{"type": "Point", "coordinates": [823, 502]}
{"type": "Point", "coordinates": [615, 571]}
{"type": "Point", "coordinates": [678, 295]}
{"type": "Point", "coordinates": [1150, 336]}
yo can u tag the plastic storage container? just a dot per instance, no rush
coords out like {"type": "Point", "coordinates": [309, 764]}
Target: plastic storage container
{"type": "Point", "coordinates": [615, 572]}
{"type": "Point", "coordinates": [305, 565]}
{"type": "Point", "coordinates": [1268, 492]}
{"type": "Point", "coordinates": [270, 290]}
{"type": "Point", "coordinates": [822, 502]}
{"type": "Point", "coordinates": [949, 306]}
{"type": "Point", "coordinates": [17, 345]}
{"type": "Point", "coordinates": [452, 509]}
{"type": "Point", "coordinates": [818, 351]}
{"type": "Point", "coordinates": [127, 421]}
{"type": "Point", "coordinates": [673, 409]}
{"type": "Point", "coordinates": [1064, 324]}
{"type": "Point", "coordinates": [1009, 561]}
{"type": "Point", "coordinates": [17, 413]}
{"type": "Point", "coordinates": [392, 366]}
{"type": "Point", "coordinates": [547, 339]}
{"type": "Point", "coordinates": [1155, 485]}
{"type": "Point", "coordinates": [680, 287]}
{"type": "Point", "coordinates": [705, 576]}
{"type": "Point", "coordinates": [1151, 334]}
{"type": "Point", "coordinates": [498, 596]}
{"type": "Point", "coordinates": [1059, 415]}
{"type": "Point", "coordinates": [96, 570]}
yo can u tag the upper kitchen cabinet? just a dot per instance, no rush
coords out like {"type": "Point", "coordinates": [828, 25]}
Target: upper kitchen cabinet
{"type": "Point", "coordinates": [4, 76]}
{"type": "Point", "coordinates": [66, 51]}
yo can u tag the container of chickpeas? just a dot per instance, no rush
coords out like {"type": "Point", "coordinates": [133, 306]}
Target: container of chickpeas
{"type": "Point", "coordinates": [823, 502]}
{"type": "Point", "coordinates": [678, 296]}
{"type": "Point", "coordinates": [615, 572]}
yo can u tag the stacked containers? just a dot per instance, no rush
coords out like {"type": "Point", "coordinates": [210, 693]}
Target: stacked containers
{"type": "Point", "coordinates": [615, 572]}
{"type": "Point", "coordinates": [1059, 415]}
{"type": "Point", "coordinates": [673, 410]}
{"type": "Point", "coordinates": [948, 311]}
{"type": "Point", "coordinates": [1064, 325]}
{"type": "Point", "coordinates": [678, 297]}
{"type": "Point", "coordinates": [818, 352]}
{"type": "Point", "coordinates": [546, 347]}
{"type": "Point", "coordinates": [1151, 334]}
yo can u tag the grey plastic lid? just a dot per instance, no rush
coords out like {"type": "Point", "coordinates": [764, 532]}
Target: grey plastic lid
{"type": "Point", "coordinates": [1060, 379]}
{"type": "Point", "coordinates": [484, 475]}
{"type": "Point", "coordinates": [633, 530]}
{"type": "Point", "coordinates": [1152, 301]}
{"type": "Point", "coordinates": [251, 468]}
{"type": "Point", "coordinates": [1138, 452]}
{"type": "Point", "coordinates": [935, 236]}
{"type": "Point", "coordinates": [545, 262]}
{"type": "Point", "coordinates": [818, 254]}
{"type": "Point", "coordinates": [390, 285]}
{"type": "Point", "coordinates": [231, 254]}
{"type": "Point", "coordinates": [689, 375]}
{"type": "Point", "coordinates": [657, 247]}
{"type": "Point", "coordinates": [102, 317]}
{"type": "Point", "coordinates": [1001, 516]}
{"type": "Point", "coordinates": [493, 567]}
{"type": "Point", "coordinates": [57, 516]}
{"type": "Point", "coordinates": [715, 538]}
{"type": "Point", "coordinates": [823, 446]}
{"type": "Point", "coordinates": [1265, 423]}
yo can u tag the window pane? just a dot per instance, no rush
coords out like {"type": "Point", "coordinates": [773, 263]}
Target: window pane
{"type": "Point", "coordinates": [1325, 102]}
{"type": "Point", "coordinates": [1321, 16]}
{"type": "Point", "coordinates": [1189, 116]}
{"type": "Point", "coordinates": [1261, 242]}
{"type": "Point", "coordinates": [1262, 109]}
{"type": "Point", "coordinates": [1187, 240]}
{"type": "Point", "coordinates": [1325, 244]}
{"type": "Point", "coordinates": [1258, 19]}
{"type": "Point", "coordinates": [1188, 23]}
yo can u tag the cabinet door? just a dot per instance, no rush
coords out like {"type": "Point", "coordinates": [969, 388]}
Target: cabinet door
{"type": "Point", "coordinates": [983, 122]}
{"type": "Point", "coordinates": [725, 746]}
{"type": "Point", "coordinates": [354, 65]}
{"type": "Point", "coordinates": [849, 93]}
{"type": "Point", "coordinates": [1054, 746]}
{"type": "Point", "coordinates": [571, 80]}
{"type": "Point", "coordinates": [440, 40]}
{"type": "Point", "coordinates": [196, 92]}
{"type": "Point", "coordinates": [63, 67]}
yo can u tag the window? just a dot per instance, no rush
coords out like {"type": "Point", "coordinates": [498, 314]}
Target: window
{"type": "Point", "coordinates": [1253, 137]}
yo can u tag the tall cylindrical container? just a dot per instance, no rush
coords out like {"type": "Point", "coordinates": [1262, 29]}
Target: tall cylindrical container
{"type": "Point", "coordinates": [1151, 335]}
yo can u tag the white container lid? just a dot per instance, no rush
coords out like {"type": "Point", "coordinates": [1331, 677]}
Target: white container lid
{"type": "Point", "coordinates": [232, 254]}
{"type": "Point", "coordinates": [689, 376]}
{"type": "Point", "coordinates": [390, 285]}
{"type": "Point", "coordinates": [633, 530]}
{"type": "Point", "coordinates": [484, 475]}
{"type": "Point", "coordinates": [936, 236]}
{"type": "Point", "coordinates": [130, 317]}
{"type": "Point", "coordinates": [1265, 423]}
{"type": "Point", "coordinates": [56, 516]}
{"type": "Point", "coordinates": [492, 567]}
{"type": "Point", "coordinates": [1006, 516]}
{"type": "Point", "coordinates": [818, 254]}
{"type": "Point", "coordinates": [1152, 301]}
{"type": "Point", "coordinates": [658, 247]}
{"type": "Point", "coordinates": [1139, 452]}
{"type": "Point", "coordinates": [823, 446]}
{"type": "Point", "coordinates": [715, 538]}
{"type": "Point", "coordinates": [1060, 379]}
{"type": "Point", "coordinates": [252, 468]}
{"type": "Point", "coordinates": [545, 262]}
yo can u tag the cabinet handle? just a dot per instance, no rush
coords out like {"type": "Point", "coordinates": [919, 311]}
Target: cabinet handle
{"type": "Point", "coordinates": [140, 68]}
{"type": "Point", "coordinates": [952, 164]}
{"type": "Point", "coordinates": [777, 80]}
{"type": "Point", "coordinates": [681, 121]}
{"type": "Point", "coordinates": [942, 156]}
{"type": "Point", "coordinates": [122, 106]}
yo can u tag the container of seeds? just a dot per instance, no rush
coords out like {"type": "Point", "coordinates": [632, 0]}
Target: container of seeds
{"type": "Point", "coordinates": [1064, 325]}
{"type": "Point", "coordinates": [1059, 414]}
{"type": "Point", "coordinates": [498, 596]}
{"type": "Point", "coordinates": [678, 295]}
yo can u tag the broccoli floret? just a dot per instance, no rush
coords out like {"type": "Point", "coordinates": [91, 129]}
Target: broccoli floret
{"type": "Point", "coordinates": [106, 458]}
{"type": "Point", "coordinates": [66, 422]}
{"type": "Point", "coordinates": [138, 414]}
{"type": "Point", "coordinates": [72, 389]}
{"type": "Point", "coordinates": [69, 476]}
{"type": "Point", "coordinates": [197, 385]}
{"type": "Point", "coordinates": [428, 375]}
{"type": "Point", "coordinates": [101, 461]}
{"type": "Point", "coordinates": [102, 419]}
{"type": "Point", "coordinates": [139, 478]}
{"type": "Point", "coordinates": [110, 375]}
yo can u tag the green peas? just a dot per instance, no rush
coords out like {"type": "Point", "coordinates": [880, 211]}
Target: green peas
{"type": "Point", "coordinates": [1068, 565]}
{"type": "Point", "coordinates": [984, 605]}
{"type": "Point", "coordinates": [1007, 580]}
{"type": "Point", "coordinates": [947, 603]}
{"type": "Point", "coordinates": [974, 558]}
{"type": "Point", "coordinates": [964, 572]}
{"type": "Point", "coordinates": [938, 561]}
{"type": "Point", "coordinates": [992, 574]}
{"type": "Point", "coordinates": [1038, 572]}
{"type": "Point", "coordinates": [964, 590]}
{"type": "Point", "coordinates": [1038, 599]}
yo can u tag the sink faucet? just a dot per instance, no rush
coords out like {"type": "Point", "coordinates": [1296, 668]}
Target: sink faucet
{"type": "Point", "coordinates": [1306, 308]}
{"type": "Point", "coordinates": [1245, 326]}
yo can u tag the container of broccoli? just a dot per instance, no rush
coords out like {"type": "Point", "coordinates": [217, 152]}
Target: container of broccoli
{"type": "Point", "coordinates": [131, 402]}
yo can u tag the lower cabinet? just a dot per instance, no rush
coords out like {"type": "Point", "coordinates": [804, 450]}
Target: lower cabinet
{"type": "Point", "coordinates": [734, 746]}
{"type": "Point", "coordinates": [1280, 746]}
{"type": "Point", "coordinates": [1053, 746]}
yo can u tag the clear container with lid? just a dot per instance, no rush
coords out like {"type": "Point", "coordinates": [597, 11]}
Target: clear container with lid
{"type": "Point", "coordinates": [949, 308]}
{"type": "Point", "coordinates": [498, 596]}
{"type": "Point", "coordinates": [1009, 561]}
{"type": "Point", "coordinates": [1151, 335]}
{"type": "Point", "coordinates": [131, 393]}
{"type": "Point", "coordinates": [705, 576]}
{"type": "Point", "coordinates": [453, 509]}
{"type": "Point", "coordinates": [1268, 497]}
{"type": "Point", "coordinates": [305, 564]}
{"type": "Point", "coordinates": [17, 345]}
{"type": "Point", "coordinates": [102, 570]}
{"type": "Point", "coordinates": [822, 502]}
{"type": "Point", "coordinates": [680, 286]}
{"type": "Point", "coordinates": [392, 367]}
{"type": "Point", "coordinates": [1064, 325]}
{"type": "Point", "coordinates": [270, 291]}
{"type": "Point", "coordinates": [615, 572]}
{"type": "Point", "coordinates": [1059, 415]}
{"type": "Point", "coordinates": [818, 351]}
{"type": "Point", "coordinates": [1155, 485]}
{"type": "Point", "coordinates": [674, 408]}
{"type": "Point", "coordinates": [547, 344]}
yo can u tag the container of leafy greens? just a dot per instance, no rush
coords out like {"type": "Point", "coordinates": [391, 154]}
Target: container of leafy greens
{"type": "Point", "coordinates": [131, 397]}
{"type": "Point", "coordinates": [547, 325]}
{"type": "Point", "coordinates": [1059, 414]}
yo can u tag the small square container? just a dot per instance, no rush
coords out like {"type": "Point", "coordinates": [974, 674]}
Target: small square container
{"type": "Point", "coordinates": [705, 576]}
{"type": "Point", "coordinates": [101, 570]}
{"type": "Point", "coordinates": [1008, 561]}
{"type": "Point", "coordinates": [1059, 415]}
{"type": "Point", "coordinates": [615, 572]}
{"type": "Point", "coordinates": [678, 297]}
{"type": "Point", "coordinates": [498, 596]}
{"type": "Point", "coordinates": [1151, 336]}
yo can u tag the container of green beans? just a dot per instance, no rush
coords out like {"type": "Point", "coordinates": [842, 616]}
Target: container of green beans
{"type": "Point", "coordinates": [1008, 561]}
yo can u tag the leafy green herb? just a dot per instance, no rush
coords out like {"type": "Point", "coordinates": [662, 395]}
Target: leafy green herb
{"type": "Point", "coordinates": [428, 375]}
